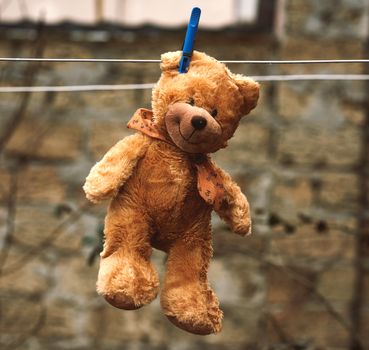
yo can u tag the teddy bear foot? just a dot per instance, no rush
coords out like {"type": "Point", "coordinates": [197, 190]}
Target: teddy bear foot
{"type": "Point", "coordinates": [242, 229]}
{"type": "Point", "coordinates": [195, 327]}
{"type": "Point", "coordinates": [194, 312]}
{"type": "Point", "coordinates": [122, 301]}
{"type": "Point", "coordinates": [129, 285]}
{"type": "Point", "coordinates": [136, 294]}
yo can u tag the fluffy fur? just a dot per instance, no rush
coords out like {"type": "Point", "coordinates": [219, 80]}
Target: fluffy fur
{"type": "Point", "coordinates": [155, 201]}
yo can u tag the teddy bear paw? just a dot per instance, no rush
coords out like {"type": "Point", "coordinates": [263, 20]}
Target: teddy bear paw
{"type": "Point", "coordinates": [122, 301]}
{"type": "Point", "coordinates": [194, 312]}
{"type": "Point", "coordinates": [132, 295]}
{"type": "Point", "coordinates": [127, 286]}
{"type": "Point", "coordinates": [242, 227]}
{"type": "Point", "coordinates": [203, 327]}
{"type": "Point", "coordinates": [242, 230]}
{"type": "Point", "coordinates": [95, 195]}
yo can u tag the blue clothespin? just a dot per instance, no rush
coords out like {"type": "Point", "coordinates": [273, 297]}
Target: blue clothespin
{"type": "Point", "coordinates": [189, 41]}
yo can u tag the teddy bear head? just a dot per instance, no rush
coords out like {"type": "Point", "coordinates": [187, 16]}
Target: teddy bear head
{"type": "Point", "coordinates": [201, 109]}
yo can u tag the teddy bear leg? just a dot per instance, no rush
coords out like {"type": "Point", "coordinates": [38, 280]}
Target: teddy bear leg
{"type": "Point", "coordinates": [127, 279]}
{"type": "Point", "coordinates": [187, 298]}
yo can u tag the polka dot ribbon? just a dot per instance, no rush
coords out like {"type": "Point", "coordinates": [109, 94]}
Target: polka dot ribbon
{"type": "Point", "coordinates": [142, 121]}
{"type": "Point", "coordinates": [209, 181]}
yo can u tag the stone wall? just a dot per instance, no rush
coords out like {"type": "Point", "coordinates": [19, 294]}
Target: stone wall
{"type": "Point", "coordinates": [300, 281]}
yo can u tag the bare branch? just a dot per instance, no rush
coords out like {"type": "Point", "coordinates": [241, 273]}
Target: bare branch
{"type": "Point", "coordinates": [10, 220]}
{"type": "Point", "coordinates": [311, 287]}
{"type": "Point", "coordinates": [362, 238]}
{"type": "Point", "coordinates": [283, 336]}
{"type": "Point", "coordinates": [50, 238]}
{"type": "Point", "coordinates": [30, 77]}
{"type": "Point", "coordinates": [39, 323]}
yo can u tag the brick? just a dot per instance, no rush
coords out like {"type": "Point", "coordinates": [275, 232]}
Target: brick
{"type": "Point", "coordinates": [339, 190]}
{"type": "Point", "coordinates": [313, 235]}
{"type": "Point", "coordinates": [288, 284]}
{"type": "Point", "coordinates": [40, 184]}
{"type": "Point", "coordinates": [306, 104]}
{"type": "Point", "coordinates": [249, 146]}
{"type": "Point", "coordinates": [114, 326]}
{"type": "Point", "coordinates": [66, 48]}
{"type": "Point", "coordinates": [3, 220]}
{"type": "Point", "coordinates": [291, 196]}
{"type": "Point", "coordinates": [75, 280]}
{"type": "Point", "coordinates": [257, 188]}
{"type": "Point", "coordinates": [105, 135]}
{"type": "Point", "coordinates": [264, 107]}
{"type": "Point", "coordinates": [221, 278]}
{"type": "Point", "coordinates": [353, 113]}
{"type": "Point", "coordinates": [4, 185]}
{"type": "Point", "coordinates": [31, 278]}
{"type": "Point", "coordinates": [47, 140]}
{"type": "Point", "coordinates": [297, 12]}
{"type": "Point", "coordinates": [364, 331]}
{"type": "Point", "coordinates": [74, 75]}
{"type": "Point", "coordinates": [227, 243]}
{"type": "Point", "coordinates": [319, 147]}
{"type": "Point", "coordinates": [65, 102]}
{"type": "Point", "coordinates": [35, 225]}
{"type": "Point", "coordinates": [61, 321]}
{"type": "Point", "coordinates": [292, 103]}
{"type": "Point", "coordinates": [337, 283]}
{"type": "Point", "coordinates": [118, 104]}
{"type": "Point", "coordinates": [313, 19]}
{"type": "Point", "coordinates": [18, 318]}
{"type": "Point", "coordinates": [248, 290]}
{"type": "Point", "coordinates": [316, 327]}
{"type": "Point", "coordinates": [307, 49]}
{"type": "Point", "coordinates": [365, 291]}
{"type": "Point", "coordinates": [308, 242]}
{"type": "Point", "coordinates": [241, 326]}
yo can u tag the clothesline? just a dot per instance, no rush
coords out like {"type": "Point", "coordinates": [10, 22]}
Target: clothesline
{"type": "Point", "coordinates": [124, 60]}
{"type": "Point", "coordinates": [117, 87]}
{"type": "Point", "coordinates": [120, 87]}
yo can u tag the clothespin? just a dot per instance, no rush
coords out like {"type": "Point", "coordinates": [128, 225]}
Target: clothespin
{"type": "Point", "coordinates": [189, 41]}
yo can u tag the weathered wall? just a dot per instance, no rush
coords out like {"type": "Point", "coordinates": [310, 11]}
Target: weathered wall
{"type": "Point", "coordinates": [299, 157]}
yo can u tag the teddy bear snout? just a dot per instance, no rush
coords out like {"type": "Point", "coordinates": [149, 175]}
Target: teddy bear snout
{"type": "Point", "coordinates": [198, 122]}
{"type": "Point", "coordinates": [192, 128]}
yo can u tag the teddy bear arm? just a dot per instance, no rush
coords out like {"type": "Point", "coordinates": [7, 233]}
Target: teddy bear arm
{"type": "Point", "coordinates": [235, 208]}
{"type": "Point", "coordinates": [114, 169]}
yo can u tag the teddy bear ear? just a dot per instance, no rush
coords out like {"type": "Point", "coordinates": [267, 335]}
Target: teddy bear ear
{"type": "Point", "coordinates": [170, 61]}
{"type": "Point", "coordinates": [249, 90]}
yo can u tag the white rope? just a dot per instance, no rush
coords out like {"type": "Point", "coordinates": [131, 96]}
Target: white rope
{"type": "Point", "coordinates": [73, 88]}
{"type": "Point", "coordinates": [306, 77]}
{"type": "Point", "coordinates": [364, 60]}
{"type": "Point", "coordinates": [124, 60]}
{"type": "Point", "coordinates": [119, 87]}
{"type": "Point", "coordinates": [83, 60]}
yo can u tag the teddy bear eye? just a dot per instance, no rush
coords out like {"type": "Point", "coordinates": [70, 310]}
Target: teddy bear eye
{"type": "Point", "coordinates": [214, 113]}
{"type": "Point", "coordinates": [191, 101]}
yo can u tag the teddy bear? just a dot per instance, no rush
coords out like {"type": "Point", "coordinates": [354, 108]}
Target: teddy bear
{"type": "Point", "coordinates": [164, 187]}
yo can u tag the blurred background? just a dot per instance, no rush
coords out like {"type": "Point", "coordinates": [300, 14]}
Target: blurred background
{"type": "Point", "coordinates": [301, 281]}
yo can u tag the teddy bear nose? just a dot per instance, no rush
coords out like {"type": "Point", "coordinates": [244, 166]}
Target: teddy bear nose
{"type": "Point", "coordinates": [198, 122]}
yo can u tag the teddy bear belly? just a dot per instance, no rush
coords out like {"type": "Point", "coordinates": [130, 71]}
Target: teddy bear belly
{"type": "Point", "coordinates": [168, 192]}
{"type": "Point", "coordinates": [164, 178]}
{"type": "Point", "coordinates": [174, 218]}
{"type": "Point", "coordinates": [166, 189]}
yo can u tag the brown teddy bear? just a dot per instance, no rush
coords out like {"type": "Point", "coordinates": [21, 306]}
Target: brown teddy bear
{"type": "Point", "coordinates": [164, 187]}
